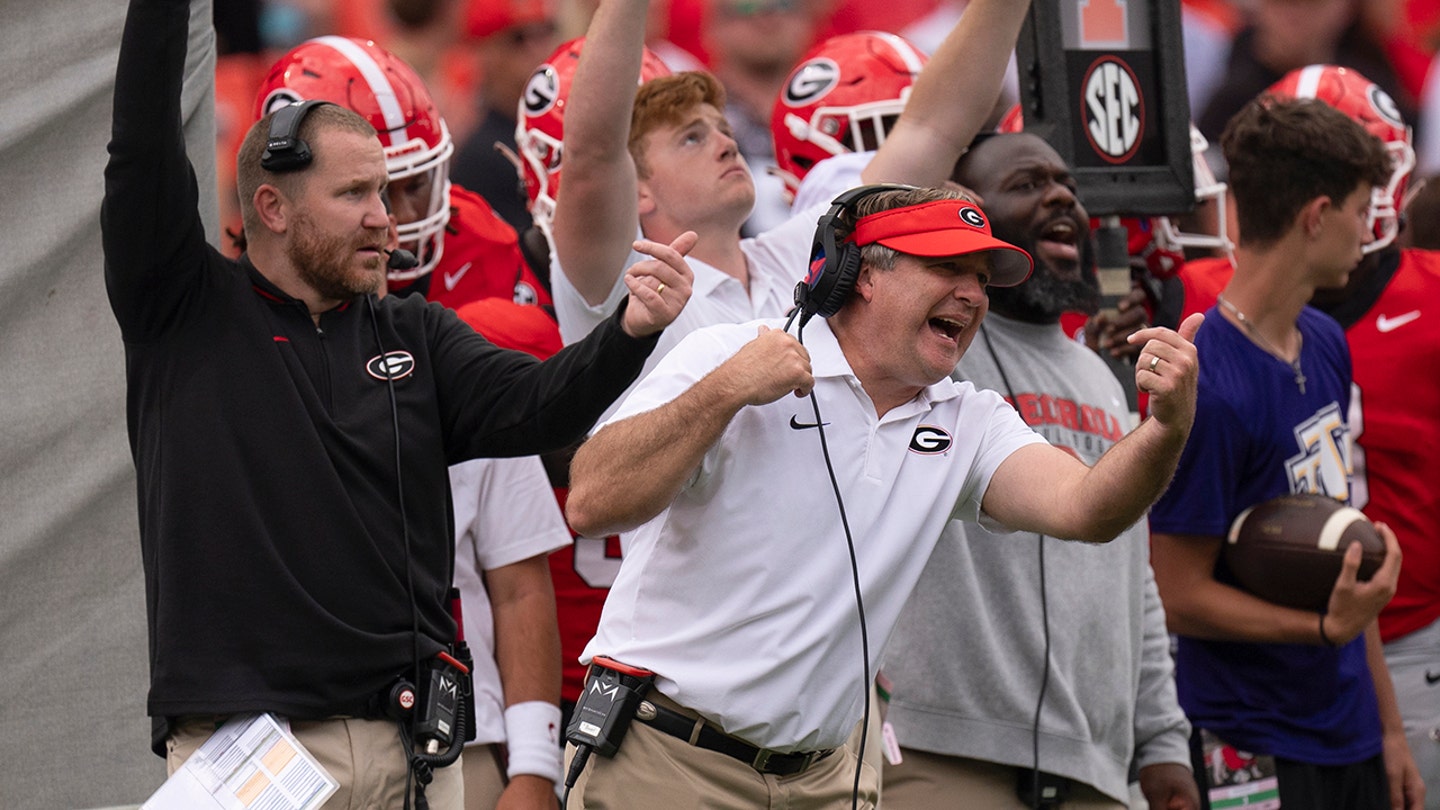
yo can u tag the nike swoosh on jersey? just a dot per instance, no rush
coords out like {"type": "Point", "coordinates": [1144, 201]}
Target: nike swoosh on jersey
{"type": "Point", "coordinates": [1431, 679]}
{"type": "Point", "coordinates": [1385, 324]}
{"type": "Point", "coordinates": [798, 425]}
{"type": "Point", "coordinates": [451, 279]}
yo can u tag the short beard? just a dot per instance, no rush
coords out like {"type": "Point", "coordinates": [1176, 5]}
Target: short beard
{"type": "Point", "coordinates": [323, 263]}
{"type": "Point", "coordinates": [1043, 297]}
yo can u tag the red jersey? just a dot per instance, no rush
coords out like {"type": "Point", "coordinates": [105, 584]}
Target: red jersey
{"type": "Point", "coordinates": [482, 259]}
{"type": "Point", "coordinates": [582, 574]}
{"type": "Point", "coordinates": [1395, 349]}
{"type": "Point", "coordinates": [1203, 280]}
{"type": "Point", "coordinates": [1394, 420]}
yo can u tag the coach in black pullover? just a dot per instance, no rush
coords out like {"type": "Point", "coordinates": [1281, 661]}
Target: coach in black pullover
{"type": "Point", "coordinates": [263, 431]}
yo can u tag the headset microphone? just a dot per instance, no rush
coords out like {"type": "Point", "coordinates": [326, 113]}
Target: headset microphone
{"type": "Point", "coordinates": [401, 259]}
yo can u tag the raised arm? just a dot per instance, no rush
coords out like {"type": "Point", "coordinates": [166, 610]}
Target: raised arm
{"type": "Point", "coordinates": [596, 208]}
{"type": "Point", "coordinates": [149, 219]}
{"type": "Point", "coordinates": [945, 111]}
{"type": "Point", "coordinates": [1043, 489]}
{"type": "Point", "coordinates": [631, 470]}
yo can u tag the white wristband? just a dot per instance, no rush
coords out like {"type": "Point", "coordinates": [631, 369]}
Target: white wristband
{"type": "Point", "coordinates": [532, 738]}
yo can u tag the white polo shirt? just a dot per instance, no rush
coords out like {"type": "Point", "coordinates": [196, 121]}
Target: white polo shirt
{"type": "Point", "coordinates": [739, 595]}
{"type": "Point", "coordinates": [505, 512]}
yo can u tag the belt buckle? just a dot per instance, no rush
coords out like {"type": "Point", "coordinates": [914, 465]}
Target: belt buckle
{"type": "Point", "coordinates": [763, 756]}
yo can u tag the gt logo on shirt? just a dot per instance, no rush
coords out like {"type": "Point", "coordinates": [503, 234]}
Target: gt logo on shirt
{"type": "Point", "coordinates": [930, 441]}
{"type": "Point", "coordinates": [396, 365]}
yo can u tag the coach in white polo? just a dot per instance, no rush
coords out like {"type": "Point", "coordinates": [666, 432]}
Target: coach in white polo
{"type": "Point", "coordinates": [737, 590]}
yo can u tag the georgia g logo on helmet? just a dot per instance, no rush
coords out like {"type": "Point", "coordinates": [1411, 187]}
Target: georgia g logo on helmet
{"type": "Point", "coordinates": [1384, 106]}
{"type": "Point", "coordinates": [541, 92]}
{"type": "Point", "coordinates": [811, 81]}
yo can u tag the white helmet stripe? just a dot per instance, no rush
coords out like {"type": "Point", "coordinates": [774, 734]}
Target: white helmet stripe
{"type": "Point", "coordinates": [1309, 81]}
{"type": "Point", "coordinates": [379, 85]}
{"type": "Point", "coordinates": [913, 60]}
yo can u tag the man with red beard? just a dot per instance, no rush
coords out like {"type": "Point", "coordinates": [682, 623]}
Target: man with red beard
{"type": "Point", "coordinates": [291, 431]}
{"type": "Point", "coordinates": [971, 661]}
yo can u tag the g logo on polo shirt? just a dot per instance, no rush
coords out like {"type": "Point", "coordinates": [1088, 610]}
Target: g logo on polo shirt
{"type": "Point", "coordinates": [396, 365]}
{"type": "Point", "coordinates": [930, 440]}
{"type": "Point", "coordinates": [972, 217]}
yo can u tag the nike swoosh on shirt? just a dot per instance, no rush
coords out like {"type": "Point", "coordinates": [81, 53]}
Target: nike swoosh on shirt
{"type": "Point", "coordinates": [798, 425]}
{"type": "Point", "coordinates": [1431, 679]}
{"type": "Point", "coordinates": [451, 279]}
{"type": "Point", "coordinates": [1385, 324]}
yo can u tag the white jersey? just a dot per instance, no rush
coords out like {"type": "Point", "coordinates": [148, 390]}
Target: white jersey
{"type": "Point", "coordinates": [505, 512]}
{"type": "Point", "coordinates": [826, 179]}
{"type": "Point", "coordinates": [739, 595]}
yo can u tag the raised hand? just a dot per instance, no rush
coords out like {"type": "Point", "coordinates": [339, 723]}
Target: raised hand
{"type": "Point", "coordinates": [769, 367]}
{"type": "Point", "coordinates": [1168, 369]}
{"type": "Point", "coordinates": [659, 286]}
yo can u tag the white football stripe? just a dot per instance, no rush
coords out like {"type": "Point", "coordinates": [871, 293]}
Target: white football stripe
{"type": "Point", "coordinates": [379, 85]}
{"type": "Point", "coordinates": [1336, 524]}
{"type": "Point", "coordinates": [906, 51]}
{"type": "Point", "coordinates": [1309, 81]}
{"type": "Point", "coordinates": [1234, 536]}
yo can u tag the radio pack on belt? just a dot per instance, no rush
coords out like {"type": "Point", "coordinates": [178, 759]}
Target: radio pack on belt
{"type": "Point", "coordinates": [602, 715]}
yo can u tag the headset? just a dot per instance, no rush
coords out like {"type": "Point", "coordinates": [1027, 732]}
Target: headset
{"type": "Point", "coordinates": [834, 268]}
{"type": "Point", "coordinates": [284, 150]}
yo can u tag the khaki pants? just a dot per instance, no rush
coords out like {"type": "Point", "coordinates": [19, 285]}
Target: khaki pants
{"type": "Point", "coordinates": [924, 781]}
{"type": "Point", "coordinates": [484, 778]}
{"type": "Point", "coordinates": [654, 771]}
{"type": "Point", "coordinates": [365, 756]}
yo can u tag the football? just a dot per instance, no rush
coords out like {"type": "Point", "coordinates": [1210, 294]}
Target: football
{"type": "Point", "coordinates": [1288, 550]}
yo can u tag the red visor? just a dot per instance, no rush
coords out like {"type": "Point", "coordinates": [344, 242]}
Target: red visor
{"type": "Point", "coordinates": [945, 228]}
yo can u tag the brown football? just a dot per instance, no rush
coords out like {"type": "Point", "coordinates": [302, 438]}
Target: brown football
{"type": "Point", "coordinates": [1288, 550]}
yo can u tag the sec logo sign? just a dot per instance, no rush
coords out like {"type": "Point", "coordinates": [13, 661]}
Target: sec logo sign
{"type": "Point", "coordinates": [1113, 109]}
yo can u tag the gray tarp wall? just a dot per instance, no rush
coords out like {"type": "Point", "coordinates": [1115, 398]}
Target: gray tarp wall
{"type": "Point", "coordinates": [73, 650]}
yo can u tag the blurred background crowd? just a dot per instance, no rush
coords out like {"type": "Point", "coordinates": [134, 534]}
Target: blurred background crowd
{"type": "Point", "coordinates": [476, 55]}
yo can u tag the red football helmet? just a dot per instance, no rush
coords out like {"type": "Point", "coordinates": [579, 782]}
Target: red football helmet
{"type": "Point", "coordinates": [843, 96]}
{"type": "Point", "coordinates": [1169, 237]}
{"type": "Point", "coordinates": [1361, 99]}
{"type": "Point", "coordinates": [540, 124]}
{"type": "Point", "coordinates": [1167, 243]}
{"type": "Point", "coordinates": [362, 76]}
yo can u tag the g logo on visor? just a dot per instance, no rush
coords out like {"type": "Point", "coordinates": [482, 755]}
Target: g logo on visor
{"type": "Point", "coordinates": [972, 217]}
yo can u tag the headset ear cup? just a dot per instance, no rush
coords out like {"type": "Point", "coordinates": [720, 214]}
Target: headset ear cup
{"type": "Point", "coordinates": [284, 150]}
{"type": "Point", "coordinates": [841, 275]}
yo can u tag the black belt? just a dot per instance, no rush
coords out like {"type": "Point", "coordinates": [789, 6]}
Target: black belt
{"type": "Point", "coordinates": [764, 760]}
